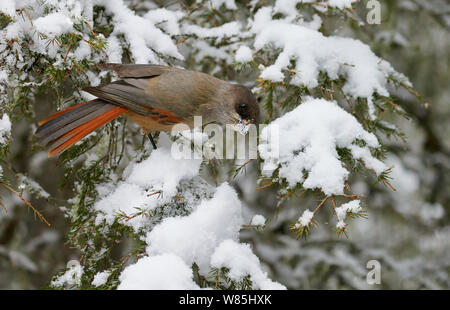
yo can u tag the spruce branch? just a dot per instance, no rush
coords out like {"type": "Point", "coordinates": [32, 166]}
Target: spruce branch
{"type": "Point", "coordinates": [19, 195]}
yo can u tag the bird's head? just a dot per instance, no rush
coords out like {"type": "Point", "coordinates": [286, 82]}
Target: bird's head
{"type": "Point", "coordinates": [239, 109]}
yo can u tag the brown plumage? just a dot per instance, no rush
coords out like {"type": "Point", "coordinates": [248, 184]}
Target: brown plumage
{"type": "Point", "coordinates": [155, 97]}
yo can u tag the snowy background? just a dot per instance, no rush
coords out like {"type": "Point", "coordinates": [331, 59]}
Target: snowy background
{"type": "Point", "coordinates": [363, 169]}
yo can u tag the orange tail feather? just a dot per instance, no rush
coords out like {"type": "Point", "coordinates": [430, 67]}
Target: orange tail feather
{"type": "Point", "coordinates": [81, 131]}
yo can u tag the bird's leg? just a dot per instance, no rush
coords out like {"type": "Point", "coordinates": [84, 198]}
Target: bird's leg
{"type": "Point", "coordinates": [152, 141]}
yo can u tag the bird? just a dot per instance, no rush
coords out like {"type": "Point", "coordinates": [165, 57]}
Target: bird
{"type": "Point", "coordinates": [156, 97]}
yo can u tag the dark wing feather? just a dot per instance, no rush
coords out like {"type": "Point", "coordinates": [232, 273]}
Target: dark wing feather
{"type": "Point", "coordinates": [130, 92]}
{"type": "Point", "coordinates": [124, 95]}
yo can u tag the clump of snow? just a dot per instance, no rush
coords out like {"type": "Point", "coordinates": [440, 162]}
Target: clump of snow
{"type": "Point", "coordinates": [241, 262]}
{"type": "Point", "coordinates": [114, 50]}
{"type": "Point", "coordinates": [47, 20]}
{"type": "Point", "coordinates": [258, 220]}
{"type": "Point", "coordinates": [71, 278]}
{"type": "Point", "coordinates": [243, 54]}
{"type": "Point", "coordinates": [308, 140]}
{"type": "Point", "coordinates": [83, 51]}
{"type": "Point", "coordinates": [8, 7]}
{"type": "Point", "coordinates": [5, 129]}
{"type": "Point", "coordinates": [365, 73]}
{"type": "Point", "coordinates": [53, 25]}
{"type": "Point", "coordinates": [161, 272]}
{"type": "Point", "coordinates": [242, 128]}
{"type": "Point", "coordinates": [101, 278]}
{"type": "Point", "coordinates": [220, 32]}
{"type": "Point", "coordinates": [195, 237]}
{"type": "Point", "coordinates": [352, 207]}
{"type": "Point", "coordinates": [166, 19]}
{"type": "Point", "coordinates": [305, 219]}
{"type": "Point", "coordinates": [207, 237]}
{"type": "Point", "coordinates": [150, 183]}
{"type": "Point", "coordinates": [139, 32]}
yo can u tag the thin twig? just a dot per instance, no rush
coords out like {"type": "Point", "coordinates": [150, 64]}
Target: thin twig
{"type": "Point", "coordinates": [26, 202]}
{"type": "Point", "coordinates": [90, 29]}
{"type": "Point", "coordinates": [321, 203]}
{"type": "Point", "coordinates": [28, 15]}
{"type": "Point", "coordinates": [154, 193]}
{"type": "Point", "coordinates": [238, 169]}
{"type": "Point", "coordinates": [333, 203]}
{"type": "Point", "coordinates": [353, 196]}
{"type": "Point", "coordinates": [389, 184]}
{"type": "Point", "coordinates": [264, 186]}
{"type": "Point", "coordinates": [68, 49]}
{"type": "Point", "coordinates": [301, 194]}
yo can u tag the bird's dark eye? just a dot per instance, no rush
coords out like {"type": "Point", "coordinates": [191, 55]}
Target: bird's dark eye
{"type": "Point", "coordinates": [242, 108]}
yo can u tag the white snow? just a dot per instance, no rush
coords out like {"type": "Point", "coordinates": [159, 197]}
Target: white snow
{"type": "Point", "coordinates": [313, 53]}
{"type": "Point", "coordinates": [167, 19]}
{"type": "Point", "coordinates": [208, 237]}
{"type": "Point", "coordinates": [161, 272]}
{"type": "Point", "coordinates": [159, 172]}
{"type": "Point", "coordinates": [306, 218]}
{"type": "Point", "coordinates": [258, 220]}
{"type": "Point", "coordinates": [240, 260]}
{"type": "Point", "coordinates": [71, 278]}
{"type": "Point", "coordinates": [83, 51]}
{"type": "Point", "coordinates": [114, 50]}
{"type": "Point", "coordinates": [243, 54]}
{"type": "Point", "coordinates": [308, 138]}
{"type": "Point", "coordinates": [143, 37]}
{"type": "Point", "coordinates": [220, 32]}
{"type": "Point", "coordinates": [139, 32]}
{"type": "Point", "coordinates": [195, 237]}
{"type": "Point", "coordinates": [100, 278]}
{"type": "Point", "coordinates": [5, 129]}
{"type": "Point", "coordinates": [341, 212]}
{"type": "Point", "coordinates": [8, 7]}
{"type": "Point", "coordinates": [53, 25]}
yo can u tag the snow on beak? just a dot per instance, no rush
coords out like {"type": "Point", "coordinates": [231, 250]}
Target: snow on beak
{"type": "Point", "coordinates": [242, 126]}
